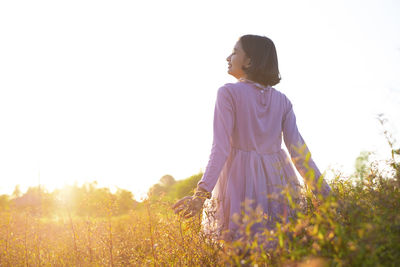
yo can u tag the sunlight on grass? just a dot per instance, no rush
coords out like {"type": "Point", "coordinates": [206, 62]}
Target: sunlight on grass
{"type": "Point", "coordinates": [356, 225]}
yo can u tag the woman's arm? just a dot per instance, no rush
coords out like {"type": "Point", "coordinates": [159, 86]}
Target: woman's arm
{"type": "Point", "coordinates": [223, 126]}
{"type": "Point", "coordinates": [301, 155]}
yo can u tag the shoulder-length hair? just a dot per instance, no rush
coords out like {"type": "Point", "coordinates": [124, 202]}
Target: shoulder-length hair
{"type": "Point", "coordinates": [263, 67]}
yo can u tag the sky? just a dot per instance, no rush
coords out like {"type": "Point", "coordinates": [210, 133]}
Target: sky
{"type": "Point", "coordinates": [123, 92]}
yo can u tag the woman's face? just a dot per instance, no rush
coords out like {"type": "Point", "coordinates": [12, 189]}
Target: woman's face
{"type": "Point", "coordinates": [236, 61]}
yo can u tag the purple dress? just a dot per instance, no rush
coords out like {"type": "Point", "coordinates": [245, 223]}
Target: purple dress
{"type": "Point", "coordinates": [247, 162]}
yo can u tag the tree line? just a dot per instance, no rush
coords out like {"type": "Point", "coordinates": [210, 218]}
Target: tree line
{"type": "Point", "coordinates": [91, 200]}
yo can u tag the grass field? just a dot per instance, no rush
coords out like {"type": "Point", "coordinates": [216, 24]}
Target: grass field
{"type": "Point", "coordinates": [359, 225]}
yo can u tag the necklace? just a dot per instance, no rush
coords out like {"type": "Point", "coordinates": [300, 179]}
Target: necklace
{"type": "Point", "coordinates": [259, 86]}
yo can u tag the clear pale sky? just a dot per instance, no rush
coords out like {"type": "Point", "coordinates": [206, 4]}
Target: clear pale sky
{"type": "Point", "coordinates": [123, 92]}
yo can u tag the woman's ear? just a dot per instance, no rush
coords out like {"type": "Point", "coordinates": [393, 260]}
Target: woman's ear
{"type": "Point", "coordinates": [247, 62]}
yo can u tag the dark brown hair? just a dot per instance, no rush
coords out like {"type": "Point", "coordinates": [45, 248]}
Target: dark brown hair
{"type": "Point", "coordinates": [263, 67]}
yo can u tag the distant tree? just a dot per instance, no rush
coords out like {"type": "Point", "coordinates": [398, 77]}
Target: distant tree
{"type": "Point", "coordinates": [186, 186]}
{"type": "Point", "coordinates": [361, 164]}
{"type": "Point", "coordinates": [163, 186]}
{"type": "Point", "coordinates": [167, 180]}
{"type": "Point", "coordinates": [36, 200]}
{"type": "Point", "coordinates": [17, 192]}
{"type": "Point", "coordinates": [96, 201]}
{"type": "Point", "coordinates": [125, 201]}
{"type": "Point", "coordinates": [89, 200]}
{"type": "Point", "coordinates": [156, 190]}
{"type": "Point", "coordinates": [175, 189]}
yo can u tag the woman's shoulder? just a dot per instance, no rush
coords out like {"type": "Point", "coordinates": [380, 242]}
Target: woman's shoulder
{"type": "Point", "coordinates": [234, 88]}
{"type": "Point", "coordinates": [282, 98]}
{"type": "Point", "coordinates": [281, 94]}
{"type": "Point", "coordinates": [228, 89]}
{"type": "Point", "coordinates": [239, 86]}
{"type": "Point", "coordinates": [229, 86]}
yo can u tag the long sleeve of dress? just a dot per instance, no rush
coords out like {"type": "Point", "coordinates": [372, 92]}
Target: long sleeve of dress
{"type": "Point", "coordinates": [222, 130]}
{"type": "Point", "coordinates": [300, 153]}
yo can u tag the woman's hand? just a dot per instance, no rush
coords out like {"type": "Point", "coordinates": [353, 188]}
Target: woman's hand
{"type": "Point", "coordinates": [191, 205]}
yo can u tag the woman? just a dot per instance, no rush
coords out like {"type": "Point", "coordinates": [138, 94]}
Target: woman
{"type": "Point", "coordinates": [247, 163]}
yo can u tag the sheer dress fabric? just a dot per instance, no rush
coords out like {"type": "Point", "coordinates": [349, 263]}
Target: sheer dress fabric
{"type": "Point", "coordinates": [247, 168]}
